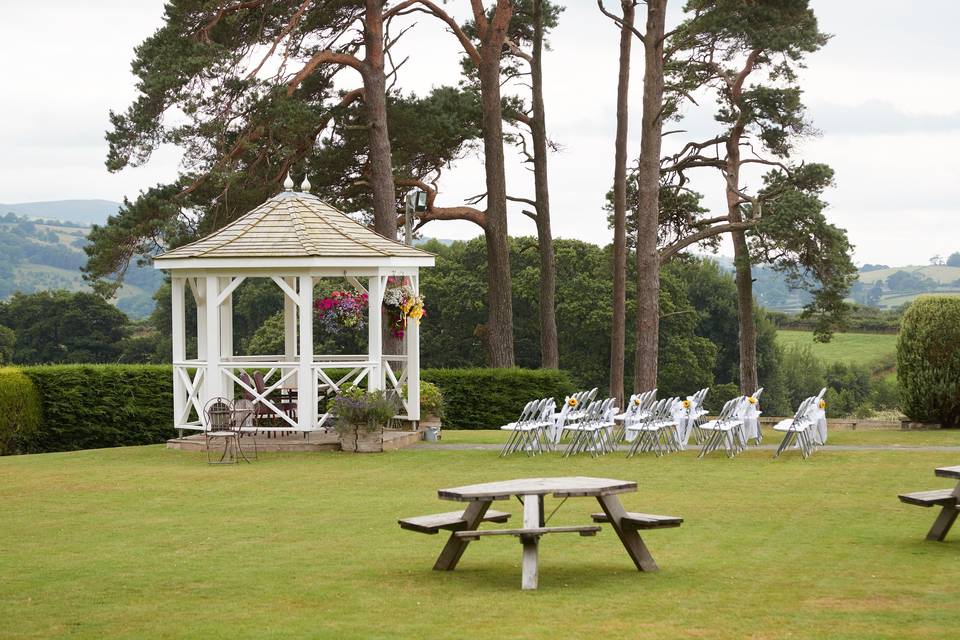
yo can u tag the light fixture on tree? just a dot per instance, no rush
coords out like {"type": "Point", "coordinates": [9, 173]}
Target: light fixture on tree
{"type": "Point", "coordinates": [416, 200]}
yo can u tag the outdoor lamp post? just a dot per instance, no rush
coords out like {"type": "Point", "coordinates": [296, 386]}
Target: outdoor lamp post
{"type": "Point", "coordinates": [416, 200]}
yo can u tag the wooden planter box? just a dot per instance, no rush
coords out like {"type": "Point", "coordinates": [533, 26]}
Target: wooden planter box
{"type": "Point", "coordinates": [362, 441]}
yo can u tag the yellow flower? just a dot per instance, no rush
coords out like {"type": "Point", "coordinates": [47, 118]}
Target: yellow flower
{"type": "Point", "coordinates": [572, 402]}
{"type": "Point", "coordinates": [751, 400]}
{"type": "Point", "coordinates": [686, 404]}
{"type": "Point", "coordinates": [823, 404]}
{"type": "Point", "coordinates": [636, 401]}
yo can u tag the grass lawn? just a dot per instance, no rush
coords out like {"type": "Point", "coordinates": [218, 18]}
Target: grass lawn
{"type": "Point", "coordinates": [934, 437]}
{"type": "Point", "coordinates": [861, 348]}
{"type": "Point", "coordinates": [142, 542]}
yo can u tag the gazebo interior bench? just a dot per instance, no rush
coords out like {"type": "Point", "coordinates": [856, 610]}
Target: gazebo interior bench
{"type": "Point", "coordinates": [451, 521]}
{"type": "Point", "coordinates": [583, 530]}
{"type": "Point", "coordinates": [929, 498]}
{"type": "Point", "coordinates": [633, 520]}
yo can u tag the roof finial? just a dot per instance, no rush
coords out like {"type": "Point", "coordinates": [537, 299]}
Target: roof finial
{"type": "Point", "coordinates": [305, 185]}
{"type": "Point", "coordinates": [288, 183]}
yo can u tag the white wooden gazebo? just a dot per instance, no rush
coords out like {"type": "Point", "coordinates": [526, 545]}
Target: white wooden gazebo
{"type": "Point", "coordinates": [294, 239]}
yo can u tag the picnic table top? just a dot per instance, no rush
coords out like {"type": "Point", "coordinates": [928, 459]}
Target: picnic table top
{"type": "Point", "coordinates": [948, 472]}
{"type": "Point", "coordinates": [563, 487]}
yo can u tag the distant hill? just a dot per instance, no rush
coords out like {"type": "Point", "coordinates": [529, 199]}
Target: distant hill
{"type": "Point", "coordinates": [85, 212]}
{"type": "Point", "coordinates": [939, 273]}
{"type": "Point", "coordinates": [36, 256]}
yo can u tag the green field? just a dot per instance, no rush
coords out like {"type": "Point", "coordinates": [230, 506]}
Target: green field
{"type": "Point", "coordinates": [143, 542]}
{"type": "Point", "coordinates": [940, 273]}
{"type": "Point", "coordinates": [867, 349]}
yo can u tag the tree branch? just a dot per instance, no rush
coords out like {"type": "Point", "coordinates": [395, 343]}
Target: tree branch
{"type": "Point", "coordinates": [323, 57]}
{"type": "Point", "coordinates": [676, 247]}
{"type": "Point", "coordinates": [618, 20]}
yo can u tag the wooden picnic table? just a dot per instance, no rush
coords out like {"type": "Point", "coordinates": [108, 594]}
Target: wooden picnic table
{"type": "Point", "coordinates": [464, 526]}
{"type": "Point", "coordinates": [947, 499]}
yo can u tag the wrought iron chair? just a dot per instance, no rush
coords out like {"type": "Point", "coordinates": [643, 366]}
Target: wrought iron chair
{"type": "Point", "coordinates": [221, 424]}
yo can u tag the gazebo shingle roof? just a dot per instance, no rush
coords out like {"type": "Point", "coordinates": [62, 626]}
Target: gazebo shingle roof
{"type": "Point", "coordinates": [296, 225]}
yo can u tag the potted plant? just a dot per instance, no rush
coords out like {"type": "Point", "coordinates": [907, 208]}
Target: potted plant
{"type": "Point", "coordinates": [361, 417]}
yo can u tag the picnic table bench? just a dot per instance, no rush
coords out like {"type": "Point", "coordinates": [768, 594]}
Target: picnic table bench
{"type": "Point", "coordinates": [464, 526]}
{"type": "Point", "coordinates": [947, 499]}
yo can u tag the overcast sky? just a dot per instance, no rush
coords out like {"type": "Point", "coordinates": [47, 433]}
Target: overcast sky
{"type": "Point", "coordinates": [885, 92]}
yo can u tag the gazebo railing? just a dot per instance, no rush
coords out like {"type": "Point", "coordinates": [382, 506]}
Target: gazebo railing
{"type": "Point", "coordinates": [279, 376]}
{"type": "Point", "coordinates": [188, 380]}
{"type": "Point", "coordinates": [331, 373]}
{"type": "Point", "coordinates": [394, 381]}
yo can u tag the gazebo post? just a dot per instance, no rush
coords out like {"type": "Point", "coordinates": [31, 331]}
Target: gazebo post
{"type": "Point", "coordinates": [375, 332]}
{"type": "Point", "coordinates": [306, 400]}
{"type": "Point", "coordinates": [290, 323]}
{"type": "Point", "coordinates": [413, 359]}
{"type": "Point", "coordinates": [226, 333]}
{"type": "Point", "coordinates": [178, 336]}
{"type": "Point", "coordinates": [214, 387]}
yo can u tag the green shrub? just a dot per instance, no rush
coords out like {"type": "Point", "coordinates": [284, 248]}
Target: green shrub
{"type": "Point", "coordinates": [19, 410]}
{"type": "Point", "coordinates": [431, 399]}
{"type": "Point", "coordinates": [486, 398]}
{"type": "Point", "coordinates": [719, 395]}
{"type": "Point", "coordinates": [93, 406]}
{"type": "Point", "coordinates": [928, 360]}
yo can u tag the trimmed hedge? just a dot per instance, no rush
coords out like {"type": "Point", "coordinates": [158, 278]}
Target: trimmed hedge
{"type": "Point", "coordinates": [487, 398]}
{"type": "Point", "coordinates": [928, 360]}
{"type": "Point", "coordinates": [94, 406]}
{"type": "Point", "coordinates": [69, 407]}
{"type": "Point", "coordinates": [19, 410]}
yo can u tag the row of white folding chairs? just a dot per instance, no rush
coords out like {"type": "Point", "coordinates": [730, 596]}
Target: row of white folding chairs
{"type": "Point", "coordinates": [727, 429]}
{"type": "Point", "coordinates": [799, 428]}
{"type": "Point", "coordinates": [659, 431]}
{"type": "Point", "coordinates": [529, 432]}
{"type": "Point", "coordinates": [592, 432]}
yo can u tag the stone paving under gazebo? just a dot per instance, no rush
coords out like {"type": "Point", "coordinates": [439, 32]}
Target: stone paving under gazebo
{"type": "Point", "coordinates": [294, 239]}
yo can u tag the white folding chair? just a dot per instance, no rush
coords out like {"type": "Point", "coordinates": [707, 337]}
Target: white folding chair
{"type": "Point", "coordinates": [797, 429]}
{"type": "Point", "coordinates": [726, 430]}
{"type": "Point", "coordinates": [521, 430]}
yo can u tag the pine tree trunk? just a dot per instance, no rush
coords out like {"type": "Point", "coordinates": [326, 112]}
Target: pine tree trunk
{"type": "Point", "coordinates": [375, 99]}
{"type": "Point", "coordinates": [549, 351]}
{"type": "Point", "coordinates": [618, 331]}
{"type": "Point", "coordinates": [500, 299]}
{"type": "Point", "coordinates": [744, 275]}
{"type": "Point", "coordinates": [648, 200]}
{"type": "Point", "coordinates": [748, 328]}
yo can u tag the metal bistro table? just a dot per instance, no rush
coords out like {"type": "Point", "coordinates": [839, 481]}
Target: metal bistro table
{"type": "Point", "coordinates": [531, 491]}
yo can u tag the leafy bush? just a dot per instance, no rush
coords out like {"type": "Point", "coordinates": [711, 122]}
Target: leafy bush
{"type": "Point", "coordinates": [719, 395]}
{"type": "Point", "coordinates": [928, 360]}
{"type": "Point", "coordinates": [431, 399]}
{"type": "Point", "coordinates": [485, 398]}
{"type": "Point", "coordinates": [802, 373]}
{"type": "Point", "coordinates": [93, 406]}
{"type": "Point", "coordinates": [19, 410]}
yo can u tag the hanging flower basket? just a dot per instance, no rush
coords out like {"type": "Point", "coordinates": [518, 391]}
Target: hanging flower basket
{"type": "Point", "coordinates": [402, 305]}
{"type": "Point", "coordinates": [341, 311]}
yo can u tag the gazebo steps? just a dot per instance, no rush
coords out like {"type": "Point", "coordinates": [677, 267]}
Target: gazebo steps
{"type": "Point", "coordinates": [317, 441]}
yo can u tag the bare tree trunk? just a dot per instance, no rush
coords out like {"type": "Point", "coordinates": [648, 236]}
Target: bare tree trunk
{"type": "Point", "coordinates": [375, 99]}
{"type": "Point", "coordinates": [549, 351]}
{"type": "Point", "coordinates": [648, 200]}
{"type": "Point", "coordinates": [618, 330]}
{"type": "Point", "coordinates": [500, 298]}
